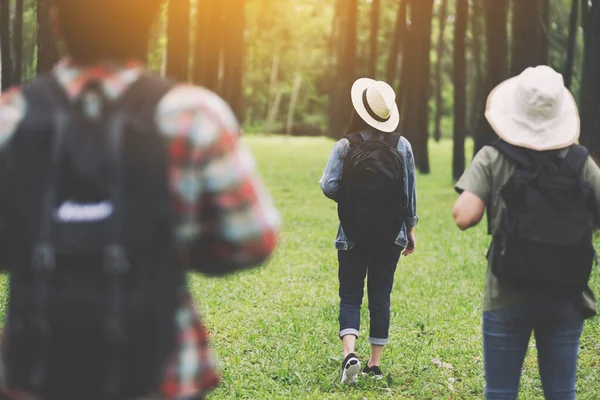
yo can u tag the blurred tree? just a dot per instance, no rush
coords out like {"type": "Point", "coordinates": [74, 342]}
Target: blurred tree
{"type": "Point", "coordinates": [18, 42]}
{"type": "Point", "coordinates": [375, 18]}
{"type": "Point", "coordinates": [416, 73]}
{"type": "Point", "coordinates": [5, 45]}
{"type": "Point", "coordinates": [496, 16]}
{"type": "Point", "coordinates": [590, 87]}
{"type": "Point", "coordinates": [396, 46]}
{"type": "Point", "coordinates": [233, 56]}
{"type": "Point", "coordinates": [527, 35]}
{"type": "Point", "coordinates": [47, 52]}
{"type": "Point", "coordinates": [478, 76]}
{"type": "Point", "coordinates": [439, 80]}
{"type": "Point", "coordinates": [460, 88]}
{"type": "Point", "coordinates": [573, 15]}
{"type": "Point", "coordinates": [178, 40]}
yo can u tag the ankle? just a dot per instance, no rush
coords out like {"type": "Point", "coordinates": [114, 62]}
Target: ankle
{"type": "Point", "coordinates": [372, 364]}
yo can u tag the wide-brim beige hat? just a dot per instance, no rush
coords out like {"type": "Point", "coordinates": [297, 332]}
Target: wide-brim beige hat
{"type": "Point", "coordinates": [375, 102]}
{"type": "Point", "coordinates": [534, 110]}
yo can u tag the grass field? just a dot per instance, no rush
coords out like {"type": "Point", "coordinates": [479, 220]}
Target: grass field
{"type": "Point", "coordinates": [275, 328]}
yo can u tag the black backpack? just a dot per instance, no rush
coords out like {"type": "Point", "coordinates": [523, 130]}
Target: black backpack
{"type": "Point", "coordinates": [372, 206]}
{"type": "Point", "coordinates": [544, 241]}
{"type": "Point", "coordinates": [94, 282]}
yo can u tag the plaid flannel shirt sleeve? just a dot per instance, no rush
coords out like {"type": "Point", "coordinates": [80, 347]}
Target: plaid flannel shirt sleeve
{"type": "Point", "coordinates": [227, 220]}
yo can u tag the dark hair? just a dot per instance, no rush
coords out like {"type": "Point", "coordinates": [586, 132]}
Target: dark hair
{"type": "Point", "coordinates": [95, 30]}
{"type": "Point", "coordinates": [357, 124]}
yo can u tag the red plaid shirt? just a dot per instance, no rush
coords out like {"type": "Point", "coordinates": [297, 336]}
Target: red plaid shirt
{"type": "Point", "coordinates": [223, 210]}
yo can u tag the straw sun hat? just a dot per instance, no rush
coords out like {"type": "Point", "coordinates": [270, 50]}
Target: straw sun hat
{"type": "Point", "coordinates": [534, 110]}
{"type": "Point", "coordinates": [375, 102]}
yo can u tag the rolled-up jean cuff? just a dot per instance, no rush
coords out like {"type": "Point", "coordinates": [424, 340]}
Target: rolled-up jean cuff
{"type": "Point", "coordinates": [348, 331]}
{"type": "Point", "coordinates": [378, 342]}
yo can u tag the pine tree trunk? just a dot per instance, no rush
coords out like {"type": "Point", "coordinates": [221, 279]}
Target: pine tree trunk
{"type": "Point", "coordinates": [47, 52]}
{"type": "Point", "coordinates": [590, 85]}
{"type": "Point", "coordinates": [396, 45]}
{"type": "Point", "coordinates": [7, 74]}
{"type": "Point", "coordinates": [213, 43]}
{"type": "Point", "coordinates": [178, 40]}
{"type": "Point", "coordinates": [348, 62]}
{"type": "Point", "coordinates": [526, 33]}
{"type": "Point", "coordinates": [292, 107]}
{"type": "Point", "coordinates": [460, 88]}
{"type": "Point", "coordinates": [544, 32]}
{"type": "Point", "coordinates": [375, 17]}
{"type": "Point", "coordinates": [439, 84]}
{"type": "Point", "coordinates": [496, 16]}
{"type": "Point", "coordinates": [233, 57]}
{"type": "Point", "coordinates": [478, 94]}
{"type": "Point", "coordinates": [568, 74]}
{"type": "Point", "coordinates": [18, 42]}
{"type": "Point", "coordinates": [335, 123]}
{"type": "Point", "coordinates": [417, 73]}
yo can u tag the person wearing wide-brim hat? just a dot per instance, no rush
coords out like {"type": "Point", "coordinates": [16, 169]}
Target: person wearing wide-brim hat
{"type": "Point", "coordinates": [377, 212]}
{"type": "Point", "coordinates": [537, 121]}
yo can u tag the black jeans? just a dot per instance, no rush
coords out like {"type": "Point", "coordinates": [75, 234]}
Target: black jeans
{"type": "Point", "coordinates": [378, 264]}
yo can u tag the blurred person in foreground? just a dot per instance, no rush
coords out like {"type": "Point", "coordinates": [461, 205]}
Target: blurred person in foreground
{"type": "Point", "coordinates": [542, 195]}
{"type": "Point", "coordinates": [371, 175]}
{"type": "Point", "coordinates": [116, 182]}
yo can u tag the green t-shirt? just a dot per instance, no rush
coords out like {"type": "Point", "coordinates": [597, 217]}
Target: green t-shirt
{"type": "Point", "coordinates": [489, 171]}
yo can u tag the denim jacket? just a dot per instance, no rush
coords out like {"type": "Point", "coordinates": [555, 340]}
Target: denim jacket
{"type": "Point", "coordinates": [332, 176]}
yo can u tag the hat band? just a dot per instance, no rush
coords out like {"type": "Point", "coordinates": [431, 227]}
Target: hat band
{"type": "Point", "coordinates": [370, 110]}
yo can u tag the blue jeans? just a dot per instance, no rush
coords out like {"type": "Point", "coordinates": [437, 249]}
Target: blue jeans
{"type": "Point", "coordinates": [378, 264]}
{"type": "Point", "coordinates": [557, 327]}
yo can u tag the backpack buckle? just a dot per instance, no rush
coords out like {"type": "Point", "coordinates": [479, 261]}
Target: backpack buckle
{"type": "Point", "coordinates": [115, 261]}
{"type": "Point", "coordinates": [44, 258]}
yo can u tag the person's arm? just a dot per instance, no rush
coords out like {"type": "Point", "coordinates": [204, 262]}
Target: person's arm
{"type": "Point", "coordinates": [591, 173]}
{"type": "Point", "coordinates": [332, 175]}
{"type": "Point", "coordinates": [475, 188]}
{"type": "Point", "coordinates": [411, 179]}
{"type": "Point", "coordinates": [227, 219]}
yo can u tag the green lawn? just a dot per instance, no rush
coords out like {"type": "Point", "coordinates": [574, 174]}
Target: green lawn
{"type": "Point", "coordinates": [275, 328]}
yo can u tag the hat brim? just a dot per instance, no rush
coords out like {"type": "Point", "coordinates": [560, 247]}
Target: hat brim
{"type": "Point", "coordinates": [357, 101]}
{"type": "Point", "coordinates": [559, 132]}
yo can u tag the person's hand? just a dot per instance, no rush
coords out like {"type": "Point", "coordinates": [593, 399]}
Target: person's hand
{"type": "Point", "coordinates": [412, 243]}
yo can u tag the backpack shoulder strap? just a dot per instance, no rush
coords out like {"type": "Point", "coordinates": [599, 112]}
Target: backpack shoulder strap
{"type": "Point", "coordinates": [392, 139]}
{"type": "Point", "coordinates": [44, 92]}
{"type": "Point", "coordinates": [515, 153]}
{"type": "Point", "coordinates": [144, 95]}
{"type": "Point", "coordinates": [355, 138]}
{"type": "Point", "coordinates": [575, 160]}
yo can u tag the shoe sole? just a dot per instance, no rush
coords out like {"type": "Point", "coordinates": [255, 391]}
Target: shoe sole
{"type": "Point", "coordinates": [351, 374]}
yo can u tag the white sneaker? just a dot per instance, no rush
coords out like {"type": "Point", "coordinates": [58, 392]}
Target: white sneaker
{"type": "Point", "coordinates": [350, 369]}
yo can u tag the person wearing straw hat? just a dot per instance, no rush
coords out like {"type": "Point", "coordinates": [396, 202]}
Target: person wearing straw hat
{"type": "Point", "coordinates": [542, 196]}
{"type": "Point", "coordinates": [371, 175]}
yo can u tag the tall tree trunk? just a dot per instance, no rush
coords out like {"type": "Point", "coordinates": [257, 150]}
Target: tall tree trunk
{"type": "Point", "coordinates": [234, 56]}
{"type": "Point", "coordinates": [396, 45]}
{"type": "Point", "coordinates": [568, 74]}
{"type": "Point", "coordinates": [526, 33]}
{"type": "Point", "coordinates": [496, 16]}
{"type": "Point", "coordinates": [212, 46]}
{"type": "Point", "coordinates": [18, 42]}
{"type": "Point", "coordinates": [292, 107]}
{"type": "Point", "coordinates": [201, 36]}
{"type": "Point", "coordinates": [375, 17]}
{"type": "Point", "coordinates": [590, 85]}
{"type": "Point", "coordinates": [5, 45]}
{"type": "Point", "coordinates": [460, 88]}
{"type": "Point", "coordinates": [178, 40]}
{"type": "Point", "coordinates": [346, 63]}
{"type": "Point", "coordinates": [335, 78]}
{"type": "Point", "coordinates": [416, 70]}
{"type": "Point", "coordinates": [478, 94]}
{"type": "Point", "coordinates": [544, 33]}
{"type": "Point", "coordinates": [441, 47]}
{"type": "Point", "coordinates": [47, 52]}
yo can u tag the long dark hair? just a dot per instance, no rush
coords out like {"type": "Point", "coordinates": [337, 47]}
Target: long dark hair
{"type": "Point", "coordinates": [357, 124]}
